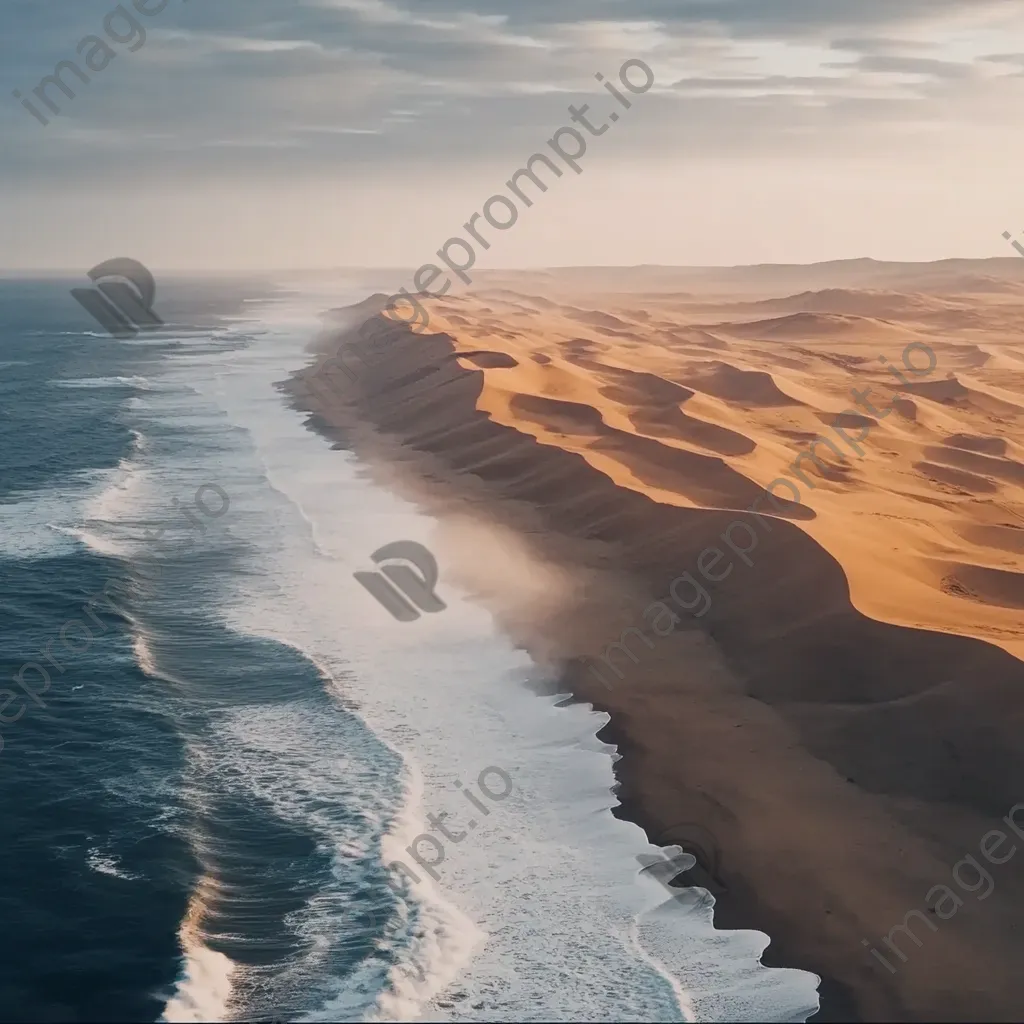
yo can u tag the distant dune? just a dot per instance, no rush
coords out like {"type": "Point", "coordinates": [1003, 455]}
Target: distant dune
{"type": "Point", "coordinates": [852, 302]}
{"type": "Point", "coordinates": [1000, 275]}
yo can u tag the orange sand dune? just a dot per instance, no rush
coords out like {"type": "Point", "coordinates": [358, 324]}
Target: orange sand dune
{"type": "Point", "coordinates": [851, 302]}
{"type": "Point", "coordinates": [661, 395]}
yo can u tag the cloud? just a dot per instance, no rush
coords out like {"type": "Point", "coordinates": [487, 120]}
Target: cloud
{"type": "Point", "coordinates": [923, 66]}
{"type": "Point", "coordinates": [251, 90]}
{"type": "Point", "coordinates": [260, 69]}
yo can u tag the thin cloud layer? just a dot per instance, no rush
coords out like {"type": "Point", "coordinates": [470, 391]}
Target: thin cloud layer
{"type": "Point", "coordinates": [270, 75]}
{"type": "Point", "coordinates": [268, 89]}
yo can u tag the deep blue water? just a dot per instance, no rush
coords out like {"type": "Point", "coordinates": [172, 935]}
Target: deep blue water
{"type": "Point", "coordinates": [78, 944]}
{"type": "Point", "coordinates": [119, 821]}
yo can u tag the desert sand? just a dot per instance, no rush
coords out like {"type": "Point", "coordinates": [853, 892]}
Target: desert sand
{"type": "Point", "coordinates": [843, 707]}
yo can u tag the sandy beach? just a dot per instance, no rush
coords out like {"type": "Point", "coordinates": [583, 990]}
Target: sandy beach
{"type": "Point", "coordinates": [785, 509]}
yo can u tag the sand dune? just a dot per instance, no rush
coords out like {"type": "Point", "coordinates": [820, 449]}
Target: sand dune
{"type": "Point", "coordinates": [994, 279]}
{"type": "Point", "coordinates": [986, 465]}
{"type": "Point", "coordinates": [863, 303]}
{"type": "Point", "coordinates": [742, 387]}
{"type": "Point", "coordinates": [983, 583]}
{"type": "Point", "coordinates": [996, 538]}
{"type": "Point", "coordinates": [804, 326]}
{"type": "Point", "coordinates": [985, 445]}
{"type": "Point", "coordinates": [845, 712]}
{"type": "Point", "coordinates": [961, 481]}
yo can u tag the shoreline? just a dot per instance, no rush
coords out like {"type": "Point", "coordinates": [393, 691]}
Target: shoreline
{"type": "Point", "coordinates": [814, 831]}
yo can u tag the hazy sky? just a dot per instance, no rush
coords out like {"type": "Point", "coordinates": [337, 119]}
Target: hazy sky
{"type": "Point", "coordinates": [304, 133]}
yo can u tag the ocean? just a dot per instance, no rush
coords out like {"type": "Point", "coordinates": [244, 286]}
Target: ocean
{"type": "Point", "coordinates": [217, 747]}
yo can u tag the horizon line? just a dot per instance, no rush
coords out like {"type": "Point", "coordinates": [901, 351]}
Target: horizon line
{"type": "Point", "coordinates": [344, 268]}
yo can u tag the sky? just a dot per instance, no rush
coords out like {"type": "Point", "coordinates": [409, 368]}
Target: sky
{"type": "Point", "coordinates": [285, 134]}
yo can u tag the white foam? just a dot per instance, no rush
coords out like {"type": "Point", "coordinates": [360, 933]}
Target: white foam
{"type": "Point", "coordinates": [91, 383]}
{"type": "Point", "coordinates": [107, 864]}
{"type": "Point", "coordinates": [85, 507]}
{"type": "Point", "coordinates": [205, 989]}
{"type": "Point", "coordinates": [47, 522]}
{"type": "Point", "coordinates": [143, 653]}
